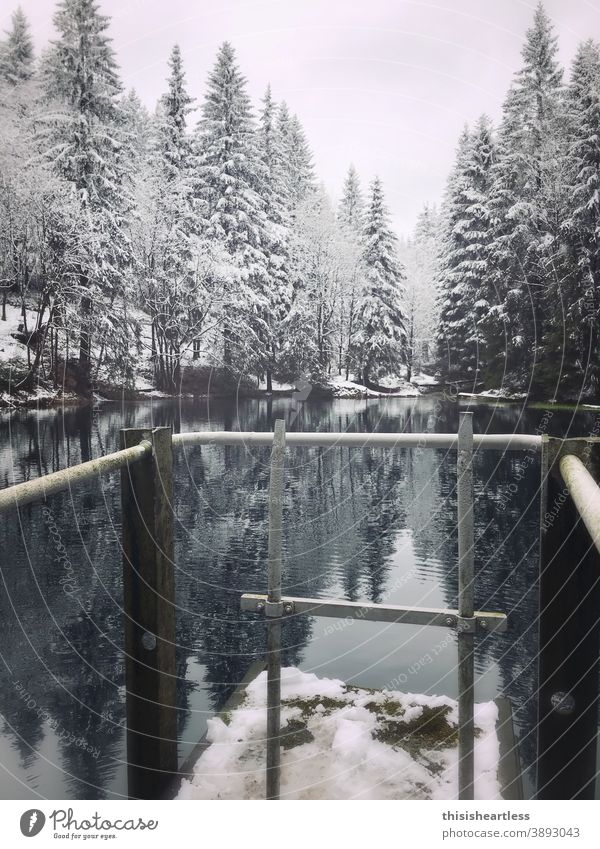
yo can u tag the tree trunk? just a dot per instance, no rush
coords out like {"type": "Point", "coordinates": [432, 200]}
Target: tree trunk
{"type": "Point", "coordinates": [226, 347]}
{"type": "Point", "coordinates": [85, 341]}
{"type": "Point", "coordinates": [269, 381]}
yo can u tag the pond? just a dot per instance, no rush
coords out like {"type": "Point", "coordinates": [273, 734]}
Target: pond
{"type": "Point", "coordinates": [360, 524]}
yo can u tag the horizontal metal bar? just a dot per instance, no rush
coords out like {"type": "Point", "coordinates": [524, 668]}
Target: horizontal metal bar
{"type": "Point", "coordinates": [38, 489]}
{"type": "Point", "coordinates": [486, 621]}
{"type": "Point", "coordinates": [585, 493]}
{"type": "Point", "coordinates": [492, 441]}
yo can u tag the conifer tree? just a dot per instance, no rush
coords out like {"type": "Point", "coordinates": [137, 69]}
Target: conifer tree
{"type": "Point", "coordinates": [351, 219]}
{"type": "Point", "coordinates": [421, 260]}
{"type": "Point", "coordinates": [581, 289]}
{"type": "Point", "coordinates": [277, 233]}
{"type": "Point", "coordinates": [382, 321]}
{"type": "Point", "coordinates": [230, 187]}
{"type": "Point", "coordinates": [85, 146]}
{"type": "Point", "coordinates": [165, 245]}
{"type": "Point", "coordinates": [16, 52]}
{"type": "Point", "coordinates": [298, 172]}
{"type": "Point", "coordinates": [526, 208]}
{"type": "Point", "coordinates": [464, 255]}
{"type": "Point", "coordinates": [352, 206]}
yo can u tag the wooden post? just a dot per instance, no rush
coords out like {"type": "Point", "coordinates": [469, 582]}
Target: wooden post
{"type": "Point", "coordinates": [149, 610]}
{"type": "Point", "coordinates": [569, 634]}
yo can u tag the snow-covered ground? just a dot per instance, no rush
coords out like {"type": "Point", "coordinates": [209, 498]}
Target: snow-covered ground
{"type": "Point", "coordinates": [422, 379]}
{"type": "Point", "coordinates": [10, 349]}
{"type": "Point", "coordinates": [349, 389]}
{"type": "Point", "coordinates": [493, 395]}
{"type": "Point", "coordinates": [13, 359]}
{"type": "Point", "coordinates": [341, 742]}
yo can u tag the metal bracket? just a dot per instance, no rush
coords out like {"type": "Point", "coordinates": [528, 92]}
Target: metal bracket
{"type": "Point", "coordinates": [273, 609]}
{"type": "Point", "coordinates": [483, 621]}
{"type": "Point", "coordinates": [466, 624]}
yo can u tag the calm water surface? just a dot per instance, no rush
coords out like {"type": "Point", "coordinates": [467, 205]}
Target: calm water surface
{"type": "Point", "coordinates": [361, 524]}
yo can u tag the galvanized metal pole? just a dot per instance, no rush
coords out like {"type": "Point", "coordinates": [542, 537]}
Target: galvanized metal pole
{"type": "Point", "coordinates": [466, 621]}
{"type": "Point", "coordinates": [149, 613]}
{"type": "Point", "coordinates": [274, 611]}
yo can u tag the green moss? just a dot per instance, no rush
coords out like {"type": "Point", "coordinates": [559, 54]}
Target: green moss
{"type": "Point", "coordinates": [389, 707]}
{"type": "Point", "coordinates": [308, 706]}
{"type": "Point", "coordinates": [295, 733]}
{"type": "Point", "coordinates": [430, 730]}
{"type": "Point", "coordinates": [392, 708]}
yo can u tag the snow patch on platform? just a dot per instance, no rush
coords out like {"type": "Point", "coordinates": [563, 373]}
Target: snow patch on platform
{"type": "Point", "coordinates": [342, 742]}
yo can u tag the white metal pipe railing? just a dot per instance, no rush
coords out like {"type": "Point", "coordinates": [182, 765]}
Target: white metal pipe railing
{"type": "Point", "coordinates": [21, 494]}
{"type": "Point", "coordinates": [36, 490]}
{"type": "Point", "coordinates": [585, 493]}
{"type": "Point", "coordinates": [492, 441]}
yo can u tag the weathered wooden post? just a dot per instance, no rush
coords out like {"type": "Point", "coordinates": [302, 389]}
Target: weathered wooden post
{"type": "Point", "coordinates": [149, 611]}
{"type": "Point", "coordinates": [466, 604]}
{"type": "Point", "coordinates": [569, 632]}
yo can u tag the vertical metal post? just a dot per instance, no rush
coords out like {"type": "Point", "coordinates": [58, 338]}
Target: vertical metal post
{"type": "Point", "coordinates": [466, 671]}
{"type": "Point", "coordinates": [149, 611]}
{"type": "Point", "coordinates": [569, 634]}
{"type": "Point", "coordinates": [276, 488]}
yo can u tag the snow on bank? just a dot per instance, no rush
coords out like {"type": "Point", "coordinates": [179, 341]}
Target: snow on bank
{"type": "Point", "coordinates": [421, 379]}
{"type": "Point", "coordinates": [341, 742]}
{"type": "Point", "coordinates": [348, 389]}
{"type": "Point", "coordinates": [492, 395]}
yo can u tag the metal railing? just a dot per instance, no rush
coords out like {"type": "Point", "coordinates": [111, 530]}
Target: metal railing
{"type": "Point", "coordinates": [21, 494]}
{"type": "Point", "coordinates": [465, 620]}
{"type": "Point", "coordinates": [569, 592]}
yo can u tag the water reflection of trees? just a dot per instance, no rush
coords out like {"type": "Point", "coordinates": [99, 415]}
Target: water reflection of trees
{"type": "Point", "coordinates": [506, 532]}
{"type": "Point", "coordinates": [343, 511]}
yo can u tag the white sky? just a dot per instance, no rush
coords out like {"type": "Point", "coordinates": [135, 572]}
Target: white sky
{"type": "Point", "coordinates": [386, 84]}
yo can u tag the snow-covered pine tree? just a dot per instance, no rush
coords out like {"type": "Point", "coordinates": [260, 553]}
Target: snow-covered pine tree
{"type": "Point", "coordinates": [277, 232]}
{"type": "Point", "coordinates": [351, 220]}
{"type": "Point", "coordinates": [316, 261]}
{"type": "Point", "coordinates": [352, 206]}
{"type": "Point", "coordinates": [82, 137]}
{"type": "Point", "coordinates": [464, 255]}
{"type": "Point", "coordinates": [229, 192]}
{"type": "Point", "coordinates": [16, 51]}
{"type": "Point", "coordinates": [16, 220]}
{"type": "Point", "coordinates": [137, 125]}
{"type": "Point", "coordinates": [526, 212]}
{"type": "Point", "coordinates": [298, 172]}
{"type": "Point", "coordinates": [581, 289]}
{"type": "Point", "coordinates": [174, 108]}
{"type": "Point", "coordinates": [421, 260]}
{"type": "Point", "coordinates": [178, 276]}
{"type": "Point", "coordinates": [382, 341]}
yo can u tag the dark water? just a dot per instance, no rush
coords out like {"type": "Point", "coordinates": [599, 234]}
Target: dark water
{"type": "Point", "coordinates": [360, 524]}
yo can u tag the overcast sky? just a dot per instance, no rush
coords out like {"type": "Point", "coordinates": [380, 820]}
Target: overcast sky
{"type": "Point", "coordinates": [386, 84]}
